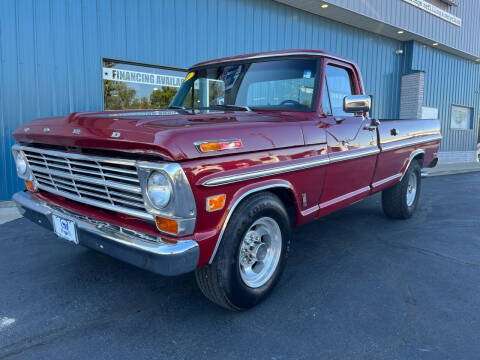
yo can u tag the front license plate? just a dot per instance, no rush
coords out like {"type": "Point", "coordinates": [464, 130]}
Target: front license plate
{"type": "Point", "coordinates": [65, 229]}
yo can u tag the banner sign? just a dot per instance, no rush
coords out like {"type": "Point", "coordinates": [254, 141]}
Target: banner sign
{"type": "Point", "coordinates": [142, 77]}
{"type": "Point", "coordinates": [434, 10]}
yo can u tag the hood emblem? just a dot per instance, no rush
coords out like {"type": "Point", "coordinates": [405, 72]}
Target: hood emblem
{"type": "Point", "coordinates": [46, 130]}
{"type": "Point", "coordinates": [116, 134]}
{"type": "Point", "coordinates": [26, 129]}
{"type": "Point", "coordinates": [76, 131]}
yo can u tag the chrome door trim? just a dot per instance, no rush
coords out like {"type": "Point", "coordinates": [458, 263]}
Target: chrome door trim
{"type": "Point", "coordinates": [230, 212]}
{"type": "Point", "coordinates": [344, 197]}
{"type": "Point", "coordinates": [353, 154]}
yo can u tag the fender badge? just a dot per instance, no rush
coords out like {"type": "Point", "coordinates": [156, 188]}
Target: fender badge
{"type": "Point", "coordinates": [116, 134]}
{"type": "Point", "coordinates": [76, 131]}
{"type": "Point", "coordinates": [46, 130]}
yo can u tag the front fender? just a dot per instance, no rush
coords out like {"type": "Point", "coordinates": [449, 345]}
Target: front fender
{"type": "Point", "coordinates": [241, 194]}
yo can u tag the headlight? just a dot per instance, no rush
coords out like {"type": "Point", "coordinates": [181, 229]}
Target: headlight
{"type": "Point", "coordinates": [159, 189]}
{"type": "Point", "coordinates": [21, 164]}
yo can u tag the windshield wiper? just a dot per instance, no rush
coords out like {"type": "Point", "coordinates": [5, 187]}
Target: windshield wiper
{"type": "Point", "coordinates": [181, 109]}
{"type": "Point", "coordinates": [233, 107]}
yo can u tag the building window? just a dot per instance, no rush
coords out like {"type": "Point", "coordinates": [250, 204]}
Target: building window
{"type": "Point", "coordinates": [461, 117]}
{"type": "Point", "coordinates": [129, 85]}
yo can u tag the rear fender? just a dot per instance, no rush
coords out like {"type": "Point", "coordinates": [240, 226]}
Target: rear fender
{"type": "Point", "coordinates": [417, 154]}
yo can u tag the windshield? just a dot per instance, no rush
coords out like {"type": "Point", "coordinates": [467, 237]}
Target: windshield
{"type": "Point", "coordinates": [269, 85]}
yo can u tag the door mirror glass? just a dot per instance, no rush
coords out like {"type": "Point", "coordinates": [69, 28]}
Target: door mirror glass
{"type": "Point", "coordinates": [356, 103]}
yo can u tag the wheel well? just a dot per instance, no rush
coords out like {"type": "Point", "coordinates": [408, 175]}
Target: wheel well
{"type": "Point", "coordinates": [284, 194]}
{"type": "Point", "coordinates": [287, 199]}
{"type": "Point", "coordinates": [420, 158]}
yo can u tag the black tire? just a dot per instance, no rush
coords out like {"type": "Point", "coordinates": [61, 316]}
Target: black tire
{"type": "Point", "coordinates": [221, 281]}
{"type": "Point", "coordinates": [394, 199]}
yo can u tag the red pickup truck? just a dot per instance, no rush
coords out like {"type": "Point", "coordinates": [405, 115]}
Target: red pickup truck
{"type": "Point", "coordinates": [249, 147]}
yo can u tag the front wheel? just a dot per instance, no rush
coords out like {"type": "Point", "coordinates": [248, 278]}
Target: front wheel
{"type": "Point", "coordinates": [251, 256]}
{"type": "Point", "coordinates": [401, 200]}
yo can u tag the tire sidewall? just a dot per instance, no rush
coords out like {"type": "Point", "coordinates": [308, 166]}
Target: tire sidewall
{"type": "Point", "coordinates": [414, 167]}
{"type": "Point", "coordinates": [239, 294]}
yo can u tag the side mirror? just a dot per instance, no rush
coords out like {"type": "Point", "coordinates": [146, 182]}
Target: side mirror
{"type": "Point", "coordinates": [357, 103]}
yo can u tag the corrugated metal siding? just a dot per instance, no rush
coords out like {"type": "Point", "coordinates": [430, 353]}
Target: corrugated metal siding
{"type": "Point", "coordinates": [51, 50]}
{"type": "Point", "coordinates": [450, 80]}
{"type": "Point", "coordinates": [405, 16]}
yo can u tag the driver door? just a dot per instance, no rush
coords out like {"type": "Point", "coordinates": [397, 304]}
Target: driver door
{"type": "Point", "coordinates": [352, 145]}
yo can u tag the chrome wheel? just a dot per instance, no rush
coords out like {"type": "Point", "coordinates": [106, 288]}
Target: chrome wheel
{"type": "Point", "coordinates": [411, 188]}
{"type": "Point", "coordinates": [260, 252]}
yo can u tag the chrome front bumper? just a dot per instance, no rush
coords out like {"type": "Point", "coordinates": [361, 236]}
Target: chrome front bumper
{"type": "Point", "coordinates": [126, 245]}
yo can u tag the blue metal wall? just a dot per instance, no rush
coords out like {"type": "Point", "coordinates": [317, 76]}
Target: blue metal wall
{"type": "Point", "coordinates": [404, 16]}
{"type": "Point", "coordinates": [51, 50]}
{"type": "Point", "coordinates": [449, 80]}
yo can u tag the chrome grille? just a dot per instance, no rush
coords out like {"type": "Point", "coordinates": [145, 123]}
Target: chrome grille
{"type": "Point", "coordinates": [108, 183]}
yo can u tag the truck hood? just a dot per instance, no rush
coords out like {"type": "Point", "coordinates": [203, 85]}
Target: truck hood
{"type": "Point", "coordinates": [170, 134]}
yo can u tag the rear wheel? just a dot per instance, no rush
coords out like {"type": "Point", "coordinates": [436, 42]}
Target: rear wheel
{"type": "Point", "coordinates": [251, 256]}
{"type": "Point", "coordinates": [400, 201]}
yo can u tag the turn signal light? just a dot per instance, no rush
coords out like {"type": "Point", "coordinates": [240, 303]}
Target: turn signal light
{"type": "Point", "coordinates": [219, 145]}
{"type": "Point", "coordinates": [167, 225]}
{"type": "Point", "coordinates": [216, 202]}
{"type": "Point", "coordinates": [30, 185]}
{"type": "Point", "coordinates": [210, 146]}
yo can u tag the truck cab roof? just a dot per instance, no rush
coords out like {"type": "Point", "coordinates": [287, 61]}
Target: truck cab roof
{"type": "Point", "coordinates": [275, 54]}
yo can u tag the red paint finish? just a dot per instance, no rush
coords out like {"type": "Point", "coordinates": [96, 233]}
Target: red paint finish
{"type": "Point", "coordinates": [351, 159]}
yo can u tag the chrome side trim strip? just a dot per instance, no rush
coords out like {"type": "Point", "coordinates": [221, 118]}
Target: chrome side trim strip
{"type": "Point", "coordinates": [228, 179]}
{"type": "Point", "coordinates": [310, 210]}
{"type": "Point", "coordinates": [344, 197]}
{"type": "Point", "coordinates": [222, 180]}
{"type": "Point", "coordinates": [225, 223]}
{"type": "Point", "coordinates": [386, 180]}
{"type": "Point", "coordinates": [415, 141]}
{"type": "Point", "coordinates": [334, 157]}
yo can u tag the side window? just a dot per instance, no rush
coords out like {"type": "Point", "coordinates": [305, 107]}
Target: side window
{"type": "Point", "coordinates": [339, 85]}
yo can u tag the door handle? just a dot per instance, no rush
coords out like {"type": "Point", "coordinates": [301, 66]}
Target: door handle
{"type": "Point", "coordinates": [339, 119]}
{"type": "Point", "coordinates": [373, 125]}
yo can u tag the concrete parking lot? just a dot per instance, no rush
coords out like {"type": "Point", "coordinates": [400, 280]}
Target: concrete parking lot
{"type": "Point", "coordinates": [357, 286]}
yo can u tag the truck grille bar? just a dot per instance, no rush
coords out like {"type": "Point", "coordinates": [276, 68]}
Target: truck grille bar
{"type": "Point", "coordinates": [103, 182]}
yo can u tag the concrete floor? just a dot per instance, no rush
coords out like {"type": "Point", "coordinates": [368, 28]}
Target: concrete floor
{"type": "Point", "coordinates": [8, 213]}
{"type": "Point", "coordinates": [357, 286]}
